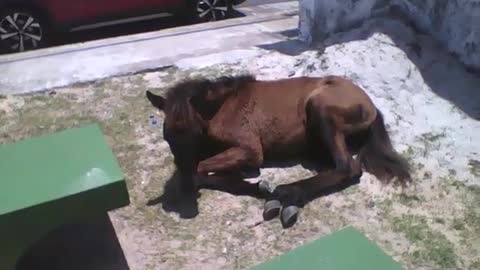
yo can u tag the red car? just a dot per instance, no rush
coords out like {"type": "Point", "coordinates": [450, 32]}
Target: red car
{"type": "Point", "coordinates": [28, 24]}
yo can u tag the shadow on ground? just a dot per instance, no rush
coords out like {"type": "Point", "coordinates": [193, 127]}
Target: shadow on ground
{"type": "Point", "coordinates": [292, 47]}
{"type": "Point", "coordinates": [443, 72]}
{"type": "Point", "coordinates": [91, 245]}
{"type": "Point", "coordinates": [186, 205]}
{"type": "Point", "coordinates": [172, 200]}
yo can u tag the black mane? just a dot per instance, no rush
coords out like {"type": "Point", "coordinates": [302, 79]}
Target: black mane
{"type": "Point", "coordinates": [182, 91]}
{"type": "Point", "coordinates": [180, 109]}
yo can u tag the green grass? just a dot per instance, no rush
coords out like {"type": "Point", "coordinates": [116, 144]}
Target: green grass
{"type": "Point", "coordinates": [474, 167]}
{"type": "Point", "coordinates": [410, 200]}
{"type": "Point", "coordinates": [433, 246]}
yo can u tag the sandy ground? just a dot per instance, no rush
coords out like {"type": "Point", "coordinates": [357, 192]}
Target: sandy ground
{"type": "Point", "coordinates": [431, 105]}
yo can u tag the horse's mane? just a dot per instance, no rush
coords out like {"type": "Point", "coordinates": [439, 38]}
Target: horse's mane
{"type": "Point", "coordinates": [178, 96]}
{"type": "Point", "coordinates": [183, 90]}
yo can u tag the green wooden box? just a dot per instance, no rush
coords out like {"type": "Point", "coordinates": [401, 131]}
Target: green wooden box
{"type": "Point", "coordinates": [346, 249]}
{"type": "Point", "coordinates": [51, 180]}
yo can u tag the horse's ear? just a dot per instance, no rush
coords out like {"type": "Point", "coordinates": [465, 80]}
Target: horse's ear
{"type": "Point", "coordinates": [157, 101]}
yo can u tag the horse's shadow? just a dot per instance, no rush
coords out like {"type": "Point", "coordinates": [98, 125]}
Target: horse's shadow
{"type": "Point", "coordinates": [186, 205]}
{"type": "Point", "coordinates": [173, 200]}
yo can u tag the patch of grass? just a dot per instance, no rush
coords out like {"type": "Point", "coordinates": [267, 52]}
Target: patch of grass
{"type": "Point", "coordinates": [475, 265]}
{"type": "Point", "coordinates": [432, 137]}
{"type": "Point", "coordinates": [409, 200]}
{"type": "Point", "coordinates": [474, 167]}
{"type": "Point", "coordinates": [409, 155]}
{"type": "Point", "coordinates": [458, 224]}
{"type": "Point", "coordinates": [433, 246]}
{"type": "Point", "coordinates": [410, 152]}
{"type": "Point", "coordinates": [324, 65]}
{"type": "Point", "coordinates": [430, 141]}
{"type": "Point", "coordinates": [36, 123]}
{"type": "Point", "coordinates": [213, 71]}
{"type": "Point", "coordinates": [350, 190]}
{"type": "Point", "coordinates": [385, 205]}
{"type": "Point", "coordinates": [419, 166]}
{"type": "Point", "coordinates": [472, 211]}
{"type": "Point", "coordinates": [439, 220]}
{"type": "Point", "coordinates": [466, 223]}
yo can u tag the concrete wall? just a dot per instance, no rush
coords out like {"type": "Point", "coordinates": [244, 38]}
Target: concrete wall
{"type": "Point", "coordinates": [455, 23]}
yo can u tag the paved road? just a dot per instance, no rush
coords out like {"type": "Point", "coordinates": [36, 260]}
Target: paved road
{"type": "Point", "coordinates": [134, 28]}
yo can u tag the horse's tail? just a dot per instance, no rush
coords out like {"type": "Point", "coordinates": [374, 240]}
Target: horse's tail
{"type": "Point", "coordinates": [378, 155]}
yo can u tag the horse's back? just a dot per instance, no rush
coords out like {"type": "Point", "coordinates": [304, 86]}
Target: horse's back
{"type": "Point", "coordinates": [271, 110]}
{"type": "Point", "coordinates": [282, 96]}
{"type": "Point", "coordinates": [339, 92]}
{"type": "Point", "coordinates": [275, 111]}
{"type": "Point", "coordinates": [340, 96]}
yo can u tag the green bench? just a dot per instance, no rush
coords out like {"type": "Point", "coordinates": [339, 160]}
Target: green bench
{"type": "Point", "coordinates": [52, 180]}
{"type": "Point", "coordinates": [346, 249]}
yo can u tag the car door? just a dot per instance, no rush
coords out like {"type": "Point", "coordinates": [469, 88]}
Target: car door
{"type": "Point", "coordinates": [73, 11]}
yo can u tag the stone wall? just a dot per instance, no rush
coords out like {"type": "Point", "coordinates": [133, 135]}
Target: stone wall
{"type": "Point", "coordinates": [455, 23]}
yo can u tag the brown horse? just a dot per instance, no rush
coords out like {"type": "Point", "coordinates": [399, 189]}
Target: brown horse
{"type": "Point", "coordinates": [217, 128]}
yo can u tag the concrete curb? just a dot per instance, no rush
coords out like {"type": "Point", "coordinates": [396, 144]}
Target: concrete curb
{"type": "Point", "coordinates": [61, 66]}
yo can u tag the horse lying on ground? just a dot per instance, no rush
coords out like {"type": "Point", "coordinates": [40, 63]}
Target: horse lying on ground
{"type": "Point", "coordinates": [217, 128]}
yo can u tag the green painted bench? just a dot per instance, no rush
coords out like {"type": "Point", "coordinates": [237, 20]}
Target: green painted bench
{"type": "Point", "coordinates": [52, 180]}
{"type": "Point", "coordinates": [345, 249]}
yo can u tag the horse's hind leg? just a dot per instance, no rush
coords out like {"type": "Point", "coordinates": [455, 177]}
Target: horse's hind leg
{"type": "Point", "coordinates": [295, 195]}
{"type": "Point", "coordinates": [326, 122]}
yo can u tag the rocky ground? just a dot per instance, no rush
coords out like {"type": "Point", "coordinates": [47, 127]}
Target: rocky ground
{"type": "Point", "coordinates": [431, 105]}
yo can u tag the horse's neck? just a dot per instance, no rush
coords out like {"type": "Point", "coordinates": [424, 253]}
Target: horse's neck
{"type": "Point", "coordinates": [207, 110]}
{"type": "Point", "coordinates": [211, 104]}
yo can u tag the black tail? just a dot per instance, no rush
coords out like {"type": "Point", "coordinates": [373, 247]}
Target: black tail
{"type": "Point", "coordinates": [379, 157]}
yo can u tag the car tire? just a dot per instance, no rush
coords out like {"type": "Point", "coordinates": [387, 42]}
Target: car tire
{"type": "Point", "coordinates": [22, 30]}
{"type": "Point", "coordinates": [210, 10]}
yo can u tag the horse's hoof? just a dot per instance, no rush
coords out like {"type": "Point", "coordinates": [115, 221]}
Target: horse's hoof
{"type": "Point", "coordinates": [271, 209]}
{"type": "Point", "coordinates": [289, 216]}
{"type": "Point", "coordinates": [266, 187]}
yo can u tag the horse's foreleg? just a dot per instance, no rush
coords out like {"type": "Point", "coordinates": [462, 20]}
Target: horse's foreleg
{"type": "Point", "coordinates": [226, 171]}
{"type": "Point", "coordinates": [230, 160]}
{"type": "Point", "coordinates": [231, 182]}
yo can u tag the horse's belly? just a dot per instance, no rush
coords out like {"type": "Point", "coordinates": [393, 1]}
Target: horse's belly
{"type": "Point", "coordinates": [284, 146]}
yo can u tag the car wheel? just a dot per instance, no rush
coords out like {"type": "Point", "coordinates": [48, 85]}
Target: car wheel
{"type": "Point", "coordinates": [212, 10]}
{"type": "Point", "coordinates": [21, 30]}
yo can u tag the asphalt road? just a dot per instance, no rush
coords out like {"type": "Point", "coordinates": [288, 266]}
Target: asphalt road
{"type": "Point", "coordinates": [134, 28]}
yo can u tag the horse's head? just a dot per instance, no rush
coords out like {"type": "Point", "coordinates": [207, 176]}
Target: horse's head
{"type": "Point", "coordinates": [183, 129]}
{"type": "Point", "coordinates": [188, 107]}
